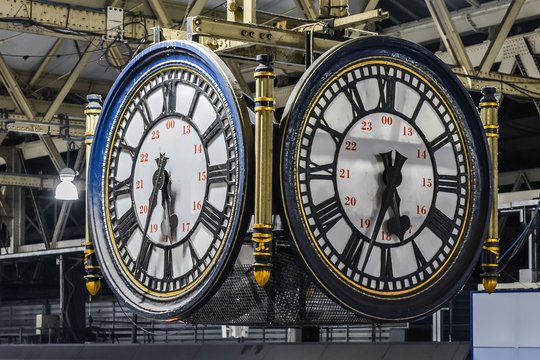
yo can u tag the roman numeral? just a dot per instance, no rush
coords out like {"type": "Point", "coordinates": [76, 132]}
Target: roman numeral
{"type": "Point", "coordinates": [387, 91]}
{"type": "Point", "coordinates": [144, 110]}
{"type": "Point", "coordinates": [336, 135]}
{"type": "Point", "coordinates": [351, 92]}
{"type": "Point", "coordinates": [143, 258]}
{"type": "Point", "coordinates": [386, 264]}
{"type": "Point", "coordinates": [439, 141]}
{"type": "Point", "coordinates": [329, 213]}
{"type": "Point", "coordinates": [169, 97]}
{"type": "Point", "coordinates": [440, 224]}
{"type": "Point", "coordinates": [126, 225]}
{"type": "Point", "coordinates": [212, 131]}
{"type": "Point", "coordinates": [194, 256]}
{"type": "Point", "coordinates": [448, 183]}
{"type": "Point", "coordinates": [218, 173]}
{"type": "Point", "coordinates": [211, 218]}
{"type": "Point", "coordinates": [194, 102]}
{"type": "Point", "coordinates": [121, 187]}
{"type": "Point", "coordinates": [168, 265]}
{"type": "Point", "coordinates": [421, 261]}
{"type": "Point", "coordinates": [353, 250]}
{"type": "Point", "coordinates": [416, 111]}
{"type": "Point", "coordinates": [124, 146]}
{"type": "Point", "coordinates": [321, 172]}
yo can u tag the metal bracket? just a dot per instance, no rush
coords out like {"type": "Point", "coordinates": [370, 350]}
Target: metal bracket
{"type": "Point", "coordinates": [115, 24]}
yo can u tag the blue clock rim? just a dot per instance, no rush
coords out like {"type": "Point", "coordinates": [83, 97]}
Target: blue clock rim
{"type": "Point", "coordinates": [158, 56]}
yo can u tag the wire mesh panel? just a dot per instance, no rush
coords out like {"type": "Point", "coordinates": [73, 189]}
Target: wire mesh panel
{"type": "Point", "coordinates": [289, 299]}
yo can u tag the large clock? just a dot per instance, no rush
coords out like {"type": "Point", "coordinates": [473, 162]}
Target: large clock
{"type": "Point", "coordinates": [169, 177]}
{"type": "Point", "coordinates": [385, 178]}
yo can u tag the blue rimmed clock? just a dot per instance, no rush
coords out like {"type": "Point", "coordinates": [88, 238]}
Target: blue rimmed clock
{"type": "Point", "coordinates": [169, 174]}
{"type": "Point", "coordinates": [385, 178]}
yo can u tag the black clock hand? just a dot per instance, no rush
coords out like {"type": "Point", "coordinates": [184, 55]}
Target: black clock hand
{"type": "Point", "coordinates": [170, 221]}
{"type": "Point", "coordinates": [158, 181]}
{"type": "Point", "coordinates": [399, 223]}
{"type": "Point", "coordinates": [392, 178]}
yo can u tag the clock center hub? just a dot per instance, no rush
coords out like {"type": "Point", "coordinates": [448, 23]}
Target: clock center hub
{"type": "Point", "coordinates": [181, 191]}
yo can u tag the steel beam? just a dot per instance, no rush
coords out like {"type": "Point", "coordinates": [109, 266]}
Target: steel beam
{"type": "Point", "coordinates": [14, 90]}
{"type": "Point", "coordinates": [72, 22]}
{"type": "Point", "coordinates": [235, 69]}
{"type": "Point", "coordinates": [507, 84]}
{"type": "Point", "coordinates": [38, 210]}
{"type": "Point", "coordinates": [74, 74]}
{"type": "Point", "coordinates": [45, 62]}
{"type": "Point", "coordinates": [197, 8]}
{"type": "Point", "coordinates": [306, 8]}
{"type": "Point", "coordinates": [53, 152]}
{"type": "Point", "coordinates": [75, 112]}
{"type": "Point", "coordinates": [234, 11]}
{"type": "Point", "coordinates": [250, 11]}
{"type": "Point", "coordinates": [5, 209]}
{"type": "Point", "coordinates": [496, 44]}
{"type": "Point", "coordinates": [41, 251]}
{"type": "Point", "coordinates": [449, 35]}
{"type": "Point", "coordinates": [161, 13]}
{"type": "Point", "coordinates": [487, 15]}
{"type": "Point", "coordinates": [510, 177]}
{"type": "Point", "coordinates": [29, 181]}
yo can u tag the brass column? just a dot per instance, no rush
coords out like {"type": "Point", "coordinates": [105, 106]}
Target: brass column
{"type": "Point", "coordinates": [264, 127]}
{"type": "Point", "coordinates": [93, 274]}
{"type": "Point", "coordinates": [490, 251]}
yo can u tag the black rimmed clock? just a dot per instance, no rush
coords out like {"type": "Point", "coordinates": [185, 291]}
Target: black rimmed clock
{"type": "Point", "coordinates": [169, 176]}
{"type": "Point", "coordinates": [385, 178]}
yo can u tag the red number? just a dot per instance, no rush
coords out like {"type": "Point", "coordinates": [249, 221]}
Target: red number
{"type": "Point", "coordinates": [350, 145]}
{"type": "Point", "coordinates": [143, 209]}
{"type": "Point", "coordinates": [365, 223]}
{"type": "Point", "coordinates": [201, 176]}
{"type": "Point", "coordinates": [427, 182]}
{"type": "Point", "coordinates": [143, 157]}
{"type": "Point", "coordinates": [366, 125]}
{"type": "Point", "coordinates": [197, 149]}
{"type": "Point", "coordinates": [139, 184]}
{"type": "Point", "coordinates": [421, 210]}
{"type": "Point", "coordinates": [386, 120]}
{"type": "Point", "coordinates": [186, 129]}
{"type": "Point", "coordinates": [421, 154]}
{"type": "Point", "coordinates": [408, 131]}
{"type": "Point", "coordinates": [197, 205]}
{"type": "Point", "coordinates": [385, 235]}
{"type": "Point", "coordinates": [154, 135]}
{"type": "Point", "coordinates": [185, 226]}
{"type": "Point", "coordinates": [344, 173]}
{"type": "Point", "coordinates": [169, 124]}
{"type": "Point", "coordinates": [350, 201]}
{"type": "Point", "coordinates": [154, 228]}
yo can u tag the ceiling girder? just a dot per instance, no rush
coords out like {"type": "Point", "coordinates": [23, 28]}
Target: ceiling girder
{"type": "Point", "coordinates": [487, 15]}
{"type": "Point", "coordinates": [496, 44]}
{"type": "Point", "coordinates": [449, 34]}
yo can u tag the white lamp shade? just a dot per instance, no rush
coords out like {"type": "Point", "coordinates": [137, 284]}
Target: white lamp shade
{"type": "Point", "coordinates": [66, 190]}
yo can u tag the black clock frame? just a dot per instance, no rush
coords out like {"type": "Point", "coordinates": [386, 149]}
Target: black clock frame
{"type": "Point", "coordinates": [451, 280]}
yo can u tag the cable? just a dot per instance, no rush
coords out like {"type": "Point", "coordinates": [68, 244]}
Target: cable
{"type": "Point", "coordinates": [519, 240]}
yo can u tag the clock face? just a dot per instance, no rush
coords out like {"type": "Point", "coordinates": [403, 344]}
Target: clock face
{"type": "Point", "coordinates": [380, 183]}
{"type": "Point", "coordinates": [173, 175]}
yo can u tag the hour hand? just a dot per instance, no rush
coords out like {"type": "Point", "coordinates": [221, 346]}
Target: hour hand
{"type": "Point", "coordinates": [170, 221]}
{"type": "Point", "coordinates": [398, 224]}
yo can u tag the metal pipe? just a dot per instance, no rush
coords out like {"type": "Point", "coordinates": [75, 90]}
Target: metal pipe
{"type": "Point", "coordinates": [490, 251]}
{"type": "Point", "coordinates": [264, 127]}
{"type": "Point", "coordinates": [93, 273]}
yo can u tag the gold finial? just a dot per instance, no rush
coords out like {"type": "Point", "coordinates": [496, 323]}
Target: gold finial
{"type": "Point", "coordinates": [93, 286]}
{"type": "Point", "coordinates": [490, 284]}
{"type": "Point", "coordinates": [261, 276]}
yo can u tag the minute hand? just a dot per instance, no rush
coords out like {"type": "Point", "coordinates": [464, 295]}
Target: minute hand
{"type": "Point", "coordinates": [393, 180]}
{"type": "Point", "coordinates": [158, 182]}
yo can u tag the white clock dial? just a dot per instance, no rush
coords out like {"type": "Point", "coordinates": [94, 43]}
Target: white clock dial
{"type": "Point", "coordinates": [172, 181]}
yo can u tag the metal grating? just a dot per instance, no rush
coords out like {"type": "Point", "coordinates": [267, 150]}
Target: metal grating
{"type": "Point", "coordinates": [289, 299]}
